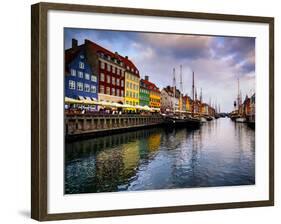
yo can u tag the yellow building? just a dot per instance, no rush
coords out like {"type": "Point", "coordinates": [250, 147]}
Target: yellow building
{"type": "Point", "coordinates": [188, 104]}
{"type": "Point", "coordinates": [132, 88]}
{"type": "Point", "coordinates": [132, 83]}
{"type": "Point", "coordinates": [180, 103]}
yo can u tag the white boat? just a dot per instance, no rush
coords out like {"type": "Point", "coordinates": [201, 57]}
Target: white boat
{"type": "Point", "coordinates": [203, 120]}
{"type": "Point", "coordinates": [240, 119]}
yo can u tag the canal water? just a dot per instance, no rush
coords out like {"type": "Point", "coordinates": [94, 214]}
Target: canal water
{"type": "Point", "coordinates": [219, 153]}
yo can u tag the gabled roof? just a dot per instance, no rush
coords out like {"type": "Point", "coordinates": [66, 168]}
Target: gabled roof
{"type": "Point", "coordinates": [70, 55]}
{"type": "Point", "coordinates": [129, 63]}
{"type": "Point", "coordinates": [151, 86]}
{"type": "Point", "coordinates": [126, 61]}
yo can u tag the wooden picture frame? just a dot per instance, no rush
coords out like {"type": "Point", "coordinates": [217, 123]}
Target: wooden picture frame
{"type": "Point", "coordinates": [39, 108]}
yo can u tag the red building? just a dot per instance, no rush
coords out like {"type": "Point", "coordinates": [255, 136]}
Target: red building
{"type": "Point", "coordinates": [111, 72]}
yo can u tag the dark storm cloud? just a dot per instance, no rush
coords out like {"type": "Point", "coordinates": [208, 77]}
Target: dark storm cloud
{"type": "Point", "coordinates": [179, 46]}
{"type": "Point", "coordinates": [240, 52]}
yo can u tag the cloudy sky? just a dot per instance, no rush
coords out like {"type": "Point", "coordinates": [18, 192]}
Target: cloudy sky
{"type": "Point", "coordinates": [216, 61]}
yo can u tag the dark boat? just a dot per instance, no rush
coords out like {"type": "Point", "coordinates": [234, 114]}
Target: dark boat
{"type": "Point", "coordinates": [209, 118]}
{"type": "Point", "coordinates": [182, 121]}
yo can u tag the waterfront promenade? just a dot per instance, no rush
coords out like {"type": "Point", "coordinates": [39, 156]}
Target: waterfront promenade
{"type": "Point", "coordinates": [83, 125]}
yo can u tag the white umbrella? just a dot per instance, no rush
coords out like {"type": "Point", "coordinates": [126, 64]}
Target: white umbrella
{"type": "Point", "coordinates": [70, 100]}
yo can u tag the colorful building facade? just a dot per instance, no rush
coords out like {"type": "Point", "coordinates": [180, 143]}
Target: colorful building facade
{"type": "Point", "coordinates": [111, 72]}
{"type": "Point", "coordinates": [154, 93]}
{"type": "Point", "coordinates": [80, 81]}
{"type": "Point", "coordinates": [188, 104]}
{"type": "Point", "coordinates": [132, 83]}
{"type": "Point", "coordinates": [170, 99]}
{"type": "Point", "coordinates": [144, 95]}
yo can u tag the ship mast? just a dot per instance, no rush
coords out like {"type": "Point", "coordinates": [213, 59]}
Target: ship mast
{"type": "Point", "coordinates": [238, 97]}
{"type": "Point", "coordinates": [181, 87]}
{"type": "Point", "coordinates": [192, 93]}
{"type": "Point", "coordinates": [174, 89]}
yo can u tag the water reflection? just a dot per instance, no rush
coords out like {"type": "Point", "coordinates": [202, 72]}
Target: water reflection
{"type": "Point", "coordinates": [220, 153]}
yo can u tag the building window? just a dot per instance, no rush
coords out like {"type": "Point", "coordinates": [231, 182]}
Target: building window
{"type": "Point", "coordinates": [79, 86]}
{"type": "Point", "coordinates": [73, 72]}
{"type": "Point", "coordinates": [122, 93]}
{"type": "Point", "coordinates": [118, 82]}
{"type": "Point", "coordinates": [80, 74]}
{"type": "Point", "coordinates": [113, 69]}
{"type": "Point", "coordinates": [113, 91]}
{"type": "Point", "coordinates": [93, 89]}
{"type": "Point", "coordinates": [137, 95]}
{"type": "Point", "coordinates": [113, 81]}
{"type": "Point", "coordinates": [117, 92]}
{"type": "Point", "coordinates": [71, 84]}
{"type": "Point", "coordinates": [102, 65]}
{"type": "Point", "coordinates": [87, 76]}
{"type": "Point", "coordinates": [118, 71]}
{"type": "Point", "coordinates": [94, 78]}
{"type": "Point", "coordinates": [108, 90]}
{"type": "Point", "coordinates": [108, 78]}
{"type": "Point", "coordinates": [101, 88]}
{"type": "Point", "coordinates": [81, 65]}
{"type": "Point", "coordinates": [82, 56]}
{"type": "Point", "coordinates": [131, 85]}
{"type": "Point", "coordinates": [122, 83]}
{"type": "Point", "coordinates": [122, 73]}
{"type": "Point", "coordinates": [87, 88]}
{"type": "Point", "coordinates": [102, 77]}
{"type": "Point", "coordinates": [108, 67]}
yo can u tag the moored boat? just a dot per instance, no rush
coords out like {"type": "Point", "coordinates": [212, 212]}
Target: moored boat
{"type": "Point", "coordinates": [203, 119]}
{"type": "Point", "coordinates": [209, 118]}
{"type": "Point", "coordinates": [182, 121]}
{"type": "Point", "coordinates": [240, 120]}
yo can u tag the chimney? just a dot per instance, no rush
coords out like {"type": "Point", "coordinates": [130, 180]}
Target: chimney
{"type": "Point", "coordinates": [74, 43]}
{"type": "Point", "coordinates": [146, 78]}
{"type": "Point", "coordinates": [126, 57]}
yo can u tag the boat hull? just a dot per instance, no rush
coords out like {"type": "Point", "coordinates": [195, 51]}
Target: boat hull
{"type": "Point", "coordinates": [184, 122]}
